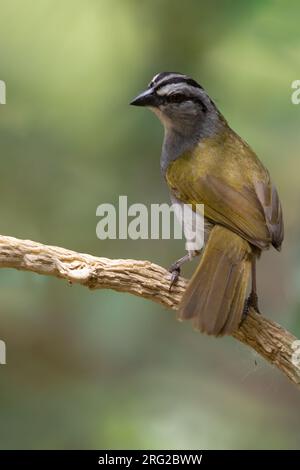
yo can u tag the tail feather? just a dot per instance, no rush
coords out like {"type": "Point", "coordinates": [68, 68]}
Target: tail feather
{"type": "Point", "coordinates": [237, 305]}
{"type": "Point", "coordinates": [216, 294]}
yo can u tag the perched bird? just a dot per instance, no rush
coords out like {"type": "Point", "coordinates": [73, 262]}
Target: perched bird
{"type": "Point", "coordinates": [204, 161]}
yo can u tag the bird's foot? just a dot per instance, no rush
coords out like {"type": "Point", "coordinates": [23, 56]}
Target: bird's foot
{"type": "Point", "coordinates": [251, 301]}
{"type": "Point", "coordinates": [175, 268]}
{"type": "Point", "coordinates": [175, 273]}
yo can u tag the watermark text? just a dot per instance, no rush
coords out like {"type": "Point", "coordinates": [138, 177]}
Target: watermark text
{"type": "Point", "coordinates": [2, 92]}
{"type": "Point", "coordinates": [295, 97]}
{"type": "Point", "coordinates": [159, 221]}
{"type": "Point", "coordinates": [2, 352]}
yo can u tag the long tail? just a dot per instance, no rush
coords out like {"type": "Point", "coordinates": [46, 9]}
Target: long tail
{"type": "Point", "coordinates": [215, 296]}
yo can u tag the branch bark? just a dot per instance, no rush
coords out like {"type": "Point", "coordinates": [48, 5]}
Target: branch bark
{"type": "Point", "coordinates": [148, 280]}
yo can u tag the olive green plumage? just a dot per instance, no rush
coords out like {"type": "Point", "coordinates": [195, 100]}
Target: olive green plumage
{"type": "Point", "coordinates": [205, 162]}
{"type": "Point", "coordinates": [224, 174]}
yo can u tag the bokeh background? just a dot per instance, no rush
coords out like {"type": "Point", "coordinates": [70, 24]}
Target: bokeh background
{"type": "Point", "coordinates": [107, 370]}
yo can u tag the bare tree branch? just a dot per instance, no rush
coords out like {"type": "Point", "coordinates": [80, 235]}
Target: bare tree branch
{"type": "Point", "coordinates": [147, 280]}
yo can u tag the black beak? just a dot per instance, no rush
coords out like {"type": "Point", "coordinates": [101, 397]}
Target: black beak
{"type": "Point", "coordinates": [146, 98]}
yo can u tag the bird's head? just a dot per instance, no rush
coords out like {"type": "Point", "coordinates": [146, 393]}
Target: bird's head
{"type": "Point", "coordinates": [179, 101]}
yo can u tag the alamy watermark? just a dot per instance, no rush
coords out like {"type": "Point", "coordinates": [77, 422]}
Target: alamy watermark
{"type": "Point", "coordinates": [296, 353]}
{"type": "Point", "coordinates": [295, 97]}
{"type": "Point", "coordinates": [2, 92]}
{"type": "Point", "coordinates": [162, 221]}
{"type": "Point", "coordinates": [2, 352]}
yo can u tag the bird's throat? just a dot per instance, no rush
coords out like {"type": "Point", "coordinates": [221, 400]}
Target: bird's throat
{"type": "Point", "coordinates": [177, 142]}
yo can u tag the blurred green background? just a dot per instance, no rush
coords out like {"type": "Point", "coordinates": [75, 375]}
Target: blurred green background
{"type": "Point", "coordinates": [107, 370]}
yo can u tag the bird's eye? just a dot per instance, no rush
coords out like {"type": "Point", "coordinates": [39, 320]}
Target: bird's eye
{"type": "Point", "coordinates": [176, 98]}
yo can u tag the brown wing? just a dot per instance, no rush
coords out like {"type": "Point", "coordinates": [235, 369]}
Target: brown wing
{"type": "Point", "coordinates": [234, 187]}
{"type": "Point", "coordinates": [268, 197]}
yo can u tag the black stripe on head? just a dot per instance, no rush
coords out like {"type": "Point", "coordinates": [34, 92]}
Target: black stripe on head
{"type": "Point", "coordinates": [157, 78]}
{"type": "Point", "coordinates": [180, 98]}
{"type": "Point", "coordinates": [169, 78]}
{"type": "Point", "coordinates": [166, 78]}
{"type": "Point", "coordinates": [174, 80]}
{"type": "Point", "coordinates": [177, 79]}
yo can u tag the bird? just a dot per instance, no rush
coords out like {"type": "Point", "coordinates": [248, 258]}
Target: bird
{"type": "Point", "coordinates": [204, 161]}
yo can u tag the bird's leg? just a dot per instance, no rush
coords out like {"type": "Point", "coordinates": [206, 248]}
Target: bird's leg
{"type": "Point", "coordinates": [252, 300]}
{"type": "Point", "coordinates": [175, 268]}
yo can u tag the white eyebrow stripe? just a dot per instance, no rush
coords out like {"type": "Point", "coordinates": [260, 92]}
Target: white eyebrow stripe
{"type": "Point", "coordinates": [173, 87]}
{"type": "Point", "coordinates": [155, 77]}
